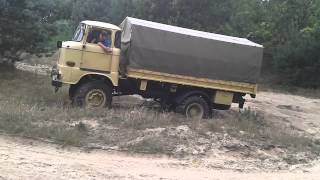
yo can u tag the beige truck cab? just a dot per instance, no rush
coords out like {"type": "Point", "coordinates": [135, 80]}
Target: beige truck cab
{"type": "Point", "coordinates": [93, 74]}
{"type": "Point", "coordinates": [81, 57]}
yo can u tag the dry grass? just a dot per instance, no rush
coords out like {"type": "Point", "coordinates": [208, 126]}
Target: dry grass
{"type": "Point", "coordinates": [29, 107]}
{"type": "Point", "coordinates": [251, 126]}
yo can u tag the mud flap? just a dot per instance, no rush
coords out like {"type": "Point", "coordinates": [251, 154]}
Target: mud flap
{"type": "Point", "coordinates": [241, 103]}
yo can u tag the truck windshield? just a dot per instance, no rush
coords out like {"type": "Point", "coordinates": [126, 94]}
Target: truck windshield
{"type": "Point", "coordinates": [78, 35]}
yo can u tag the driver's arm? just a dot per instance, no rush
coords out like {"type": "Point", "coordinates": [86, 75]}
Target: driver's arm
{"type": "Point", "coordinates": [106, 49]}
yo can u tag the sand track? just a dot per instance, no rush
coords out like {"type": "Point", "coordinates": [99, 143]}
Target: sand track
{"type": "Point", "coordinates": [28, 159]}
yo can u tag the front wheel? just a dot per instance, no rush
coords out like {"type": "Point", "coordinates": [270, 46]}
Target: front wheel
{"type": "Point", "coordinates": [95, 94]}
{"type": "Point", "coordinates": [194, 107]}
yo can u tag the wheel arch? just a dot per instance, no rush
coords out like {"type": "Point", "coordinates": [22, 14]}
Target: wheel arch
{"type": "Point", "coordinates": [92, 77]}
{"type": "Point", "coordinates": [88, 78]}
{"type": "Point", "coordinates": [190, 93]}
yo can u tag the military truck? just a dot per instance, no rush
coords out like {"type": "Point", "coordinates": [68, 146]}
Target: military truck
{"type": "Point", "coordinates": [186, 71]}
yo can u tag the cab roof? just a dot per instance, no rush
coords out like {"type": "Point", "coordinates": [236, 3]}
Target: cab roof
{"type": "Point", "coordinates": [101, 24]}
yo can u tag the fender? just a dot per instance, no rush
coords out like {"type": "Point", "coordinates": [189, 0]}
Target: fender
{"type": "Point", "coordinates": [96, 76]}
{"type": "Point", "coordinates": [184, 95]}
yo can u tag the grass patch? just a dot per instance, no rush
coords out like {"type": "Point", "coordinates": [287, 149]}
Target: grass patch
{"type": "Point", "coordinates": [29, 107]}
{"type": "Point", "coordinates": [251, 126]}
{"type": "Point", "coordinates": [36, 122]}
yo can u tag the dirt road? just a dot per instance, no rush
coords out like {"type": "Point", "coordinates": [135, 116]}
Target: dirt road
{"type": "Point", "coordinates": [27, 159]}
{"type": "Point", "coordinates": [299, 112]}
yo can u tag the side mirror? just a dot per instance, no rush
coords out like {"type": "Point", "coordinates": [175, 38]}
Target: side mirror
{"type": "Point", "coordinates": [59, 44]}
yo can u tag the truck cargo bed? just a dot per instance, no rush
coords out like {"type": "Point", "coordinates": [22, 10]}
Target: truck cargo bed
{"type": "Point", "coordinates": [192, 81]}
{"type": "Point", "coordinates": [194, 57]}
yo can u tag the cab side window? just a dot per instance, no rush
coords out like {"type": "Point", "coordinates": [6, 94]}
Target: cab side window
{"type": "Point", "coordinates": [117, 41]}
{"type": "Point", "coordinates": [99, 35]}
{"type": "Point", "coordinates": [93, 36]}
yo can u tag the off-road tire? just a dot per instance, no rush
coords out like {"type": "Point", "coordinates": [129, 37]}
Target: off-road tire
{"type": "Point", "coordinates": [184, 106]}
{"type": "Point", "coordinates": [82, 91]}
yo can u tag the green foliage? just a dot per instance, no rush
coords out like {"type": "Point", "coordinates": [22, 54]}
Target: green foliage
{"type": "Point", "coordinates": [64, 29]}
{"type": "Point", "coordinates": [295, 44]}
{"type": "Point", "coordinates": [289, 29]}
{"type": "Point", "coordinates": [25, 23]}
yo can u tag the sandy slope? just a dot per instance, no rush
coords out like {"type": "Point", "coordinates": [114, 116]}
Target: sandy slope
{"type": "Point", "coordinates": [26, 159]}
{"type": "Point", "coordinates": [297, 111]}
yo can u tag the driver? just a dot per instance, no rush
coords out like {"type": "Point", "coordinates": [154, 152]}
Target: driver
{"type": "Point", "coordinates": [105, 42]}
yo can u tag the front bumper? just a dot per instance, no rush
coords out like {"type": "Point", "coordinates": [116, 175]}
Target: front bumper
{"type": "Point", "coordinates": [56, 78]}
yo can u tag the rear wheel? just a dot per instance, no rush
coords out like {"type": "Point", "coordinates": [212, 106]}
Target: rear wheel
{"type": "Point", "coordinates": [194, 107]}
{"type": "Point", "coordinates": [95, 94]}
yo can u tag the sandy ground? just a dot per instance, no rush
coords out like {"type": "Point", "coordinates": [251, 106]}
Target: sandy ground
{"type": "Point", "coordinates": [27, 159]}
{"type": "Point", "coordinates": [297, 111]}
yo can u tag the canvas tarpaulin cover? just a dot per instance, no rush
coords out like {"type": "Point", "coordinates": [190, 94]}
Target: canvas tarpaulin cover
{"type": "Point", "coordinates": [168, 49]}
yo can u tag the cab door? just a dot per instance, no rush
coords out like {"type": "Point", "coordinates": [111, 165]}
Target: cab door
{"type": "Point", "coordinates": [95, 59]}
